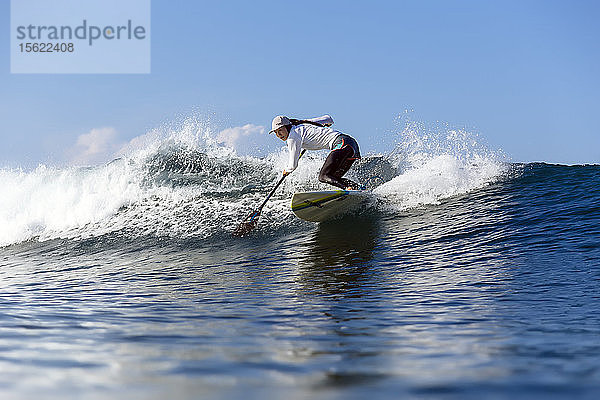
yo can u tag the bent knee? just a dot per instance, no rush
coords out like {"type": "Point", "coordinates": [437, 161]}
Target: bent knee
{"type": "Point", "coordinates": [325, 178]}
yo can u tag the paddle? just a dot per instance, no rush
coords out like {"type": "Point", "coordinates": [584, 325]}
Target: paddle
{"type": "Point", "coordinates": [245, 226]}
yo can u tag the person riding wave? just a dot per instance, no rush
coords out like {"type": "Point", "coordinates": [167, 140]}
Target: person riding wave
{"type": "Point", "coordinates": [317, 134]}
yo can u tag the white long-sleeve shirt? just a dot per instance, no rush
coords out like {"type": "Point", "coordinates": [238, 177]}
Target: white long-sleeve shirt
{"type": "Point", "coordinates": [310, 137]}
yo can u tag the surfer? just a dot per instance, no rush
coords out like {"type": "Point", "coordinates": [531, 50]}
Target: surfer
{"type": "Point", "coordinates": [317, 134]}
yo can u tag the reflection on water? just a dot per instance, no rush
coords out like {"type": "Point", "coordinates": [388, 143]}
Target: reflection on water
{"type": "Point", "coordinates": [399, 302]}
{"type": "Point", "coordinates": [443, 300]}
{"type": "Point", "coordinates": [337, 260]}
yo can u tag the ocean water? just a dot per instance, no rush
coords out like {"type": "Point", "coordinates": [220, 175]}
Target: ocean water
{"type": "Point", "coordinates": [465, 276]}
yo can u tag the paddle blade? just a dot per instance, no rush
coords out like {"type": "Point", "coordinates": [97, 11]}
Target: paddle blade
{"type": "Point", "coordinates": [244, 228]}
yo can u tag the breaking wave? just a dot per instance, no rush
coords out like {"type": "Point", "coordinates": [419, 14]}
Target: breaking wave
{"type": "Point", "coordinates": [180, 182]}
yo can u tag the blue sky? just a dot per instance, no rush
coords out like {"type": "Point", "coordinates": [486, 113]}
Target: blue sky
{"type": "Point", "coordinates": [524, 75]}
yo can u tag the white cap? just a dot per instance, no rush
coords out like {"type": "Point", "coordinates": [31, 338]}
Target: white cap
{"type": "Point", "coordinates": [278, 122]}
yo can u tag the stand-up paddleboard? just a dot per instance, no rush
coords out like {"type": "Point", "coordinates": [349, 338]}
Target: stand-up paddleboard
{"type": "Point", "coordinates": [324, 205]}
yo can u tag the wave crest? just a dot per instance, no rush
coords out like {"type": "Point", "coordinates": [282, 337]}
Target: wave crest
{"type": "Point", "coordinates": [182, 183]}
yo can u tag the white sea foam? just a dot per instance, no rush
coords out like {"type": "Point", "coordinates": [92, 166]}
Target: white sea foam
{"type": "Point", "coordinates": [49, 202]}
{"type": "Point", "coordinates": [437, 162]}
{"type": "Point", "coordinates": [437, 178]}
{"type": "Point", "coordinates": [178, 181]}
{"type": "Point", "coordinates": [78, 202]}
